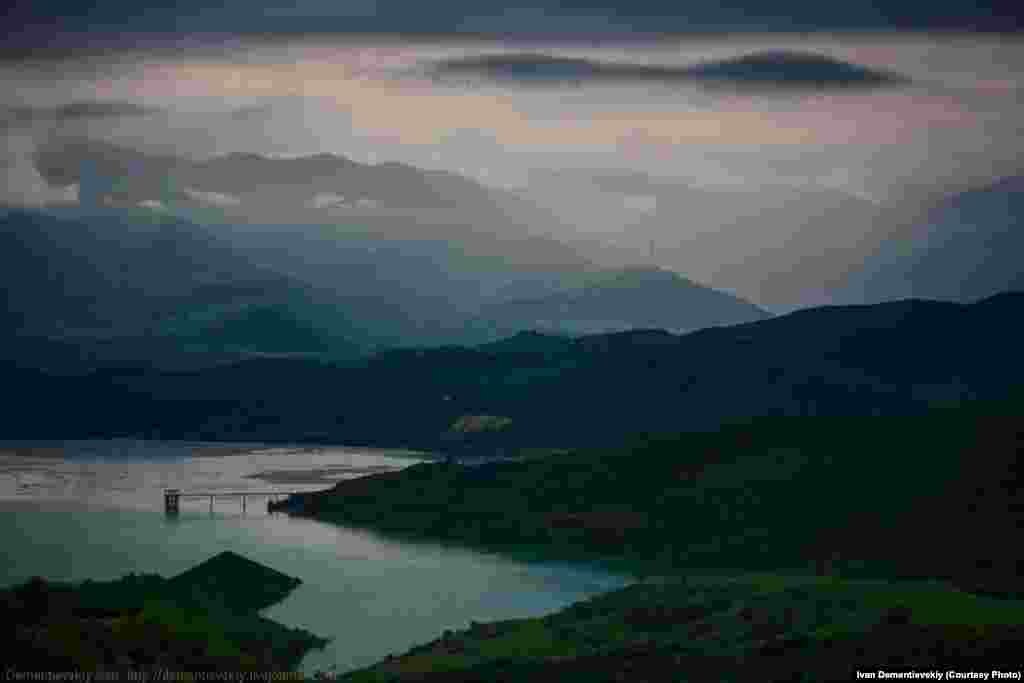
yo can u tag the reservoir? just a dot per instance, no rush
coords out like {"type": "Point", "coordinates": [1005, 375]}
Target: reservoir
{"type": "Point", "coordinates": [94, 510]}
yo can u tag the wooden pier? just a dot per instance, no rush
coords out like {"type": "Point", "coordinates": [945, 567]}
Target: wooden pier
{"type": "Point", "coordinates": [172, 497]}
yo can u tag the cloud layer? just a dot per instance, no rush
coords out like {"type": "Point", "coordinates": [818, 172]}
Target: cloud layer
{"type": "Point", "coordinates": [740, 185]}
{"type": "Point", "coordinates": [779, 69]}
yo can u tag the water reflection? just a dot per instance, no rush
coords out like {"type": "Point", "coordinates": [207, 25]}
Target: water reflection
{"type": "Point", "coordinates": [96, 516]}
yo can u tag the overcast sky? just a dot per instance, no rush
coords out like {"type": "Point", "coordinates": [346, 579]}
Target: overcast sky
{"type": "Point", "coordinates": [955, 124]}
{"type": "Point", "coordinates": [30, 21]}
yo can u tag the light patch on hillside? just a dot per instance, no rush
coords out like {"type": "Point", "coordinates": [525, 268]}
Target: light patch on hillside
{"type": "Point", "coordinates": [214, 198]}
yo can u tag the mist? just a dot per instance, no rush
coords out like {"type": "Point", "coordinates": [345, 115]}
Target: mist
{"type": "Point", "coordinates": [773, 192]}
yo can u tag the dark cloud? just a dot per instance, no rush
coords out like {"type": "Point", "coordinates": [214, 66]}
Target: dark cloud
{"type": "Point", "coordinates": [774, 69]}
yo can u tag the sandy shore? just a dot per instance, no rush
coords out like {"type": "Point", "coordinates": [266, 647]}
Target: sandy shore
{"type": "Point", "coordinates": [216, 451]}
{"type": "Point", "coordinates": [322, 475]}
{"type": "Point", "coordinates": [200, 450]}
{"type": "Point", "coordinates": [59, 451]}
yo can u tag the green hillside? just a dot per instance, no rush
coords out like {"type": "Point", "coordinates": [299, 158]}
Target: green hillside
{"type": "Point", "coordinates": [750, 627]}
{"type": "Point", "coordinates": [793, 549]}
{"type": "Point", "coordinates": [868, 495]}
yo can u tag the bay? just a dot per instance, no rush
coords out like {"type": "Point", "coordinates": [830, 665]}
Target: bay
{"type": "Point", "coordinates": [95, 511]}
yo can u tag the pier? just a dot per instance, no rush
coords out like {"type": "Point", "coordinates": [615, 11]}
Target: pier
{"type": "Point", "coordinates": [172, 497]}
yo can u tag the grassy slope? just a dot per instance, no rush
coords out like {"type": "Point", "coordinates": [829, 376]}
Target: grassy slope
{"type": "Point", "coordinates": [743, 627]}
{"type": "Point", "coordinates": [862, 493]}
{"type": "Point", "coordinates": [931, 497]}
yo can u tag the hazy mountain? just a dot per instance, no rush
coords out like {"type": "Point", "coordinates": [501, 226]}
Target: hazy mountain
{"type": "Point", "coordinates": [138, 176]}
{"type": "Point", "coordinates": [134, 286]}
{"type": "Point", "coordinates": [968, 246]}
{"type": "Point", "coordinates": [318, 188]}
{"type": "Point", "coordinates": [428, 288]}
{"type": "Point", "coordinates": [778, 243]}
{"type": "Point", "coordinates": [640, 297]}
{"type": "Point", "coordinates": [387, 201]}
{"type": "Point", "coordinates": [407, 253]}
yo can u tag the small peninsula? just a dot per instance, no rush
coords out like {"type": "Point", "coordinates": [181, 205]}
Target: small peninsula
{"type": "Point", "coordinates": [204, 619]}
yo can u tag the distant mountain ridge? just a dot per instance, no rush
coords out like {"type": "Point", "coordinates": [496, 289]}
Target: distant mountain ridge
{"type": "Point", "coordinates": [968, 246]}
{"type": "Point", "coordinates": [127, 286]}
{"type": "Point", "coordinates": [312, 195]}
{"type": "Point", "coordinates": [110, 173]}
{"type": "Point", "coordinates": [637, 297]}
{"type": "Point", "coordinates": [777, 248]}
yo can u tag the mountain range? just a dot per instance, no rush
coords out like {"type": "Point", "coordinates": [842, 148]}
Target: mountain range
{"type": "Point", "coordinates": [119, 285]}
{"type": "Point", "coordinates": [772, 240]}
{"type": "Point", "coordinates": [114, 286]}
{"type": "Point", "coordinates": [901, 357]}
{"type": "Point", "coordinates": [166, 256]}
{"type": "Point", "coordinates": [637, 297]}
{"type": "Point", "coordinates": [785, 241]}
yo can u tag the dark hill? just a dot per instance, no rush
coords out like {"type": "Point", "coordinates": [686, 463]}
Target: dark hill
{"type": "Point", "coordinates": [529, 341]}
{"type": "Point", "coordinates": [897, 358]}
{"type": "Point", "coordinates": [234, 581]}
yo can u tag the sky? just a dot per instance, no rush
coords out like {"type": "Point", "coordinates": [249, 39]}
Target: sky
{"type": "Point", "coordinates": [37, 19]}
{"type": "Point", "coordinates": [200, 87]}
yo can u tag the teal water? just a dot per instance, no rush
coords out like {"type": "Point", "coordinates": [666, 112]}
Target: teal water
{"type": "Point", "coordinates": [371, 595]}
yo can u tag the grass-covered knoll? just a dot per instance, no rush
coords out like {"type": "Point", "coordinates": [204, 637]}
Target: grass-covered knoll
{"type": "Point", "coordinates": [234, 581]}
{"type": "Point", "coordinates": [927, 496]}
{"type": "Point", "coordinates": [205, 619]}
{"type": "Point", "coordinates": [741, 627]}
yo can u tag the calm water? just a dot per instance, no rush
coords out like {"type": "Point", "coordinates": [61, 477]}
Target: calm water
{"type": "Point", "coordinates": [97, 513]}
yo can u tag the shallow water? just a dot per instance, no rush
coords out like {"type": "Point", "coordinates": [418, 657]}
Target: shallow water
{"type": "Point", "coordinates": [97, 515]}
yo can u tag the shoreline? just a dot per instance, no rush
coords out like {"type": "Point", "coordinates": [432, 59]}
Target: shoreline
{"type": "Point", "coordinates": [320, 475]}
{"type": "Point", "coordinates": [57, 450]}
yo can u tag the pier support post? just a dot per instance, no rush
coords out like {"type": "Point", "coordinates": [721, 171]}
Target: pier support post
{"type": "Point", "coordinates": [211, 505]}
{"type": "Point", "coordinates": [171, 500]}
{"type": "Point", "coordinates": [243, 502]}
